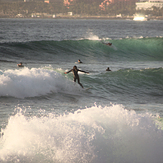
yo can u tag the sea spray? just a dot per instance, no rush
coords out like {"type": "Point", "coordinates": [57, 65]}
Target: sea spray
{"type": "Point", "coordinates": [33, 82]}
{"type": "Point", "coordinates": [95, 134]}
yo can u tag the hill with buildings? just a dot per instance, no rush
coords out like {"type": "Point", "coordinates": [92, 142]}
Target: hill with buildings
{"type": "Point", "coordinates": [78, 8]}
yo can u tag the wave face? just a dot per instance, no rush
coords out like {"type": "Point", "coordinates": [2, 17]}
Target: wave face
{"type": "Point", "coordinates": [131, 82]}
{"type": "Point", "coordinates": [132, 49]}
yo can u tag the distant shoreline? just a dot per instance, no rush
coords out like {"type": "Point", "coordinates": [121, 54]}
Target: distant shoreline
{"type": "Point", "coordinates": [82, 17]}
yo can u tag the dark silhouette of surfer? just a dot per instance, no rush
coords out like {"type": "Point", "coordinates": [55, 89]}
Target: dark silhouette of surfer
{"type": "Point", "coordinates": [20, 64]}
{"type": "Point", "coordinates": [108, 69]}
{"type": "Point", "coordinates": [75, 73]}
{"type": "Point", "coordinates": [79, 61]}
{"type": "Point", "coordinates": [109, 44]}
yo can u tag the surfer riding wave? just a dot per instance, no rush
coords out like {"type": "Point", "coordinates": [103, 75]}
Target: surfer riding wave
{"type": "Point", "coordinates": [75, 73]}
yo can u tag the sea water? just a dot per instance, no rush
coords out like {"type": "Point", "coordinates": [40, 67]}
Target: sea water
{"type": "Point", "coordinates": [46, 117]}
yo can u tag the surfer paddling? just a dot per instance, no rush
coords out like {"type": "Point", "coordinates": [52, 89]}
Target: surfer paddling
{"type": "Point", "coordinates": [109, 44]}
{"type": "Point", "coordinates": [75, 73]}
{"type": "Point", "coordinates": [79, 61]}
{"type": "Point", "coordinates": [108, 69]}
{"type": "Point", "coordinates": [20, 64]}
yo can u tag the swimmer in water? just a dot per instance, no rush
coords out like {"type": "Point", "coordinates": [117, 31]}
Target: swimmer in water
{"type": "Point", "coordinates": [79, 61]}
{"type": "Point", "coordinates": [108, 69]}
{"type": "Point", "coordinates": [75, 73]}
{"type": "Point", "coordinates": [109, 44]}
{"type": "Point", "coordinates": [20, 64]}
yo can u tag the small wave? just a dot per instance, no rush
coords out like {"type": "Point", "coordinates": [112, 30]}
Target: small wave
{"type": "Point", "coordinates": [1, 60]}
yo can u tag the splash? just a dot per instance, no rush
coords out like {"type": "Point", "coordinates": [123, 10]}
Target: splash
{"type": "Point", "coordinates": [32, 82]}
{"type": "Point", "coordinates": [91, 36]}
{"type": "Point", "coordinates": [95, 134]}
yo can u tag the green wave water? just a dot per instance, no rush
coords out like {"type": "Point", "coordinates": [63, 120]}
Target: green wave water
{"type": "Point", "coordinates": [145, 49]}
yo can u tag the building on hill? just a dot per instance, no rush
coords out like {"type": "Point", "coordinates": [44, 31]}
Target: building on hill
{"type": "Point", "coordinates": [147, 5]}
{"type": "Point", "coordinates": [105, 3]}
{"type": "Point", "coordinates": [97, 1]}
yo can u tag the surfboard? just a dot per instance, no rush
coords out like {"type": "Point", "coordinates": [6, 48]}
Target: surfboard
{"type": "Point", "coordinates": [88, 88]}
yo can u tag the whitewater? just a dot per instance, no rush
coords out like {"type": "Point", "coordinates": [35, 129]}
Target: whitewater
{"type": "Point", "coordinates": [47, 118]}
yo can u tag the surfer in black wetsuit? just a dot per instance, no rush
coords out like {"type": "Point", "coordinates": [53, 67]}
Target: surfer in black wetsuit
{"type": "Point", "coordinates": [20, 64]}
{"type": "Point", "coordinates": [75, 73]}
{"type": "Point", "coordinates": [108, 69]}
{"type": "Point", "coordinates": [79, 61]}
{"type": "Point", "coordinates": [109, 44]}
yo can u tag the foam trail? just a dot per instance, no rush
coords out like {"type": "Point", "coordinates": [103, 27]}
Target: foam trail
{"type": "Point", "coordinates": [31, 82]}
{"type": "Point", "coordinates": [96, 134]}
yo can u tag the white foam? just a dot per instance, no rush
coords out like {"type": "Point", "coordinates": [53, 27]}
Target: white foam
{"type": "Point", "coordinates": [96, 134]}
{"type": "Point", "coordinates": [27, 82]}
{"type": "Point", "coordinates": [91, 36]}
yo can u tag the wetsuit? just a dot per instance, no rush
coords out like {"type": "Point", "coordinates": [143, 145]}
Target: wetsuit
{"type": "Point", "coordinates": [109, 43]}
{"type": "Point", "coordinates": [76, 76]}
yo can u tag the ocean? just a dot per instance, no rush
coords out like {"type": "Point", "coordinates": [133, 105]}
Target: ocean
{"type": "Point", "coordinates": [45, 117]}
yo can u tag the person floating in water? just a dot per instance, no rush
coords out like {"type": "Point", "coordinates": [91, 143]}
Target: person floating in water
{"type": "Point", "coordinates": [109, 44]}
{"type": "Point", "coordinates": [20, 64]}
{"type": "Point", "coordinates": [108, 69]}
{"type": "Point", "coordinates": [75, 73]}
{"type": "Point", "coordinates": [79, 61]}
